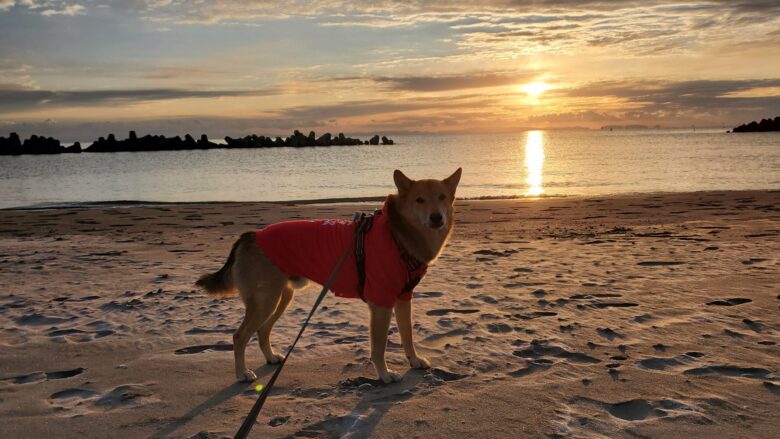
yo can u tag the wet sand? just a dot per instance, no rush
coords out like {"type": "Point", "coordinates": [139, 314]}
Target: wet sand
{"type": "Point", "coordinates": [626, 316]}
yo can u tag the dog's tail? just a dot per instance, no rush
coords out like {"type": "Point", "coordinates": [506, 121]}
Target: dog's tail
{"type": "Point", "coordinates": [220, 283]}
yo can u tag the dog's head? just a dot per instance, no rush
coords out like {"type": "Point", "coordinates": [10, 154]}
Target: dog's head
{"type": "Point", "coordinates": [427, 203]}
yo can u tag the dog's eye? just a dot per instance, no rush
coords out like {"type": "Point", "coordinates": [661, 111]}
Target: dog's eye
{"type": "Point", "coordinates": [442, 197]}
{"type": "Point", "coordinates": [420, 200]}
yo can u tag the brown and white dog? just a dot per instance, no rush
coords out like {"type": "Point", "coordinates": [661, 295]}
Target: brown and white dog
{"type": "Point", "coordinates": [418, 220]}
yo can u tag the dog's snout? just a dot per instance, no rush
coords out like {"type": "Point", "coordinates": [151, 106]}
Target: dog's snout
{"type": "Point", "coordinates": [436, 219]}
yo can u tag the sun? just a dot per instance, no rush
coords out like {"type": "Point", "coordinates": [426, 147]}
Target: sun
{"type": "Point", "coordinates": [535, 89]}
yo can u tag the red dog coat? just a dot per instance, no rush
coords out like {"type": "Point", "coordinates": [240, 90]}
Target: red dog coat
{"type": "Point", "coordinates": [311, 249]}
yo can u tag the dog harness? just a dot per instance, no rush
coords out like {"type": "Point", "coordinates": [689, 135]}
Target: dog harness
{"type": "Point", "coordinates": [379, 270]}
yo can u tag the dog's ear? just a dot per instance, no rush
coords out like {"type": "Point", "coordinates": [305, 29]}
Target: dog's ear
{"type": "Point", "coordinates": [402, 182]}
{"type": "Point", "coordinates": [452, 181]}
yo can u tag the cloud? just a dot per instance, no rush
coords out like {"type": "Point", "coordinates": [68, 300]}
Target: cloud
{"type": "Point", "coordinates": [16, 98]}
{"type": "Point", "coordinates": [678, 102]}
{"type": "Point", "coordinates": [69, 10]}
{"type": "Point", "coordinates": [451, 82]}
{"type": "Point", "coordinates": [669, 91]}
{"type": "Point", "coordinates": [320, 113]}
{"type": "Point", "coordinates": [47, 8]}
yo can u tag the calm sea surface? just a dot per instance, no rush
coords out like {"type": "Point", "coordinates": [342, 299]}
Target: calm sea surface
{"type": "Point", "coordinates": [527, 163]}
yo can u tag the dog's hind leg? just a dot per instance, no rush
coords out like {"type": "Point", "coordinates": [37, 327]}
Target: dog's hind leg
{"type": "Point", "coordinates": [260, 284]}
{"type": "Point", "coordinates": [256, 315]}
{"type": "Point", "coordinates": [264, 333]}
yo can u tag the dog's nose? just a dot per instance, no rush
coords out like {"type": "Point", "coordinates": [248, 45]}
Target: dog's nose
{"type": "Point", "coordinates": [436, 219]}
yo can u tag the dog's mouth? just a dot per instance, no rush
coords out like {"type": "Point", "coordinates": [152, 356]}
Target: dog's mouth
{"type": "Point", "coordinates": [436, 226]}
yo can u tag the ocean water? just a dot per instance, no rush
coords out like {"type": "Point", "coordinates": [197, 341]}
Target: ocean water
{"type": "Point", "coordinates": [529, 163]}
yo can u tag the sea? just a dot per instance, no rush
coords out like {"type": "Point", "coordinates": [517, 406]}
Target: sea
{"type": "Point", "coordinates": [526, 164]}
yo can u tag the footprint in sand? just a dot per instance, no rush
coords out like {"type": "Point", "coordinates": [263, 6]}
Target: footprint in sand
{"type": "Point", "coordinates": [363, 383]}
{"type": "Point", "coordinates": [523, 285]}
{"type": "Point", "coordinates": [204, 348]}
{"type": "Point", "coordinates": [729, 302]}
{"type": "Point", "coordinates": [496, 253]}
{"type": "Point", "coordinates": [219, 329]}
{"type": "Point", "coordinates": [730, 370]}
{"type": "Point", "coordinates": [538, 350]}
{"type": "Point", "coordinates": [126, 396]}
{"type": "Point", "coordinates": [609, 333]}
{"type": "Point", "coordinates": [498, 328]}
{"type": "Point", "coordinates": [634, 410]}
{"type": "Point", "coordinates": [593, 303]}
{"type": "Point", "coordinates": [537, 365]}
{"type": "Point", "coordinates": [71, 397]}
{"type": "Point", "coordinates": [772, 387]}
{"type": "Point", "coordinates": [734, 334]}
{"type": "Point", "coordinates": [534, 315]}
{"type": "Point", "coordinates": [36, 319]}
{"type": "Point", "coordinates": [351, 339]}
{"type": "Point", "coordinates": [659, 263]}
{"type": "Point", "coordinates": [121, 397]}
{"type": "Point", "coordinates": [13, 336]}
{"type": "Point", "coordinates": [445, 311]}
{"type": "Point", "coordinates": [131, 304]}
{"type": "Point", "coordinates": [427, 294]}
{"type": "Point", "coordinates": [643, 318]}
{"type": "Point", "coordinates": [486, 298]}
{"type": "Point", "coordinates": [664, 363]}
{"type": "Point", "coordinates": [37, 377]}
{"type": "Point", "coordinates": [752, 261]}
{"type": "Point", "coordinates": [753, 325]}
{"type": "Point", "coordinates": [78, 335]}
{"type": "Point", "coordinates": [439, 340]}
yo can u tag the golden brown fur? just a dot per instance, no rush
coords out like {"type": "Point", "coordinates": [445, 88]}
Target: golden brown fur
{"type": "Point", "coordinates": [421, 217]}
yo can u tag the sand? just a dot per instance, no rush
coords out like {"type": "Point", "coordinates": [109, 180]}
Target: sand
{"type": "Point", "coordinates": [627, 316]}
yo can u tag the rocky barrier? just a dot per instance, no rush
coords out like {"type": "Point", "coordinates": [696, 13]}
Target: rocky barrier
{"type": "Point", "coordinates": [35, 145]}
{"type": "Point", "coordinates": [758, 127]}
{"type": "Point", "coordinates": [47, 145]}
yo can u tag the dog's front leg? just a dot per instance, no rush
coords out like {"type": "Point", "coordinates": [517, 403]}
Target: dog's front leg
{"type": "Point", "coordinates": [380, 323]}
{"type": "Point", "coordinates": [403, 318]}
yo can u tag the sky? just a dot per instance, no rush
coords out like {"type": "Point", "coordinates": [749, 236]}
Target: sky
{"type": "Point", "coordinates": [78, 69]}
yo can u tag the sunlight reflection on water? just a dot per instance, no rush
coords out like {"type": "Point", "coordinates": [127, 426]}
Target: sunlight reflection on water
{"type": "Point", "coordinates": [534, 161]}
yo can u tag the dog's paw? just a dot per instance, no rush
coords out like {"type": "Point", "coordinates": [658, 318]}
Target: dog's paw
{"type": "Point", "coordinates": [246, 376]}
{"type": "Point", "coordinates": [419, 362]}
{"type": "Point", "coordinates": [275, 358]}
{"type": "Point", "coordinates": [390, 377]}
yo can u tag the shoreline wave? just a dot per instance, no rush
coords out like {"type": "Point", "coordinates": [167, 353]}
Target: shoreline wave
{"type": "Point", "coordinates": [343, 200]}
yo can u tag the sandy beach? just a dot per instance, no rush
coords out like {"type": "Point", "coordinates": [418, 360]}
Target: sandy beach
{"type": "Point", "coordinates": [626, 316]}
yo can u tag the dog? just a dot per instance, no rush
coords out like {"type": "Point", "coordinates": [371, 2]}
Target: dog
{"type": "Point", "coordinates": [265, 267]}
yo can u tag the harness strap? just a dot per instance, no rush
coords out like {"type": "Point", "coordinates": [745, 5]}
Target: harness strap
{"type": "Point", "coordinates": [362, 227]}
{"type": "Point", "coordinates": [251, 418]}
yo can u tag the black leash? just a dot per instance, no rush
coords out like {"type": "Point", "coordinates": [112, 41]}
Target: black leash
{"type": "Point", "coordinates": [251, 418]}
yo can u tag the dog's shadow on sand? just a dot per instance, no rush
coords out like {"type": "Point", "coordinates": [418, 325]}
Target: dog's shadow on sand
{"type": "Point", "coordinates": [360, 422]}
{"type": "Point", "coordinates": [373, 405]}
{"type": "Point", "coordinates": [215, 400]}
